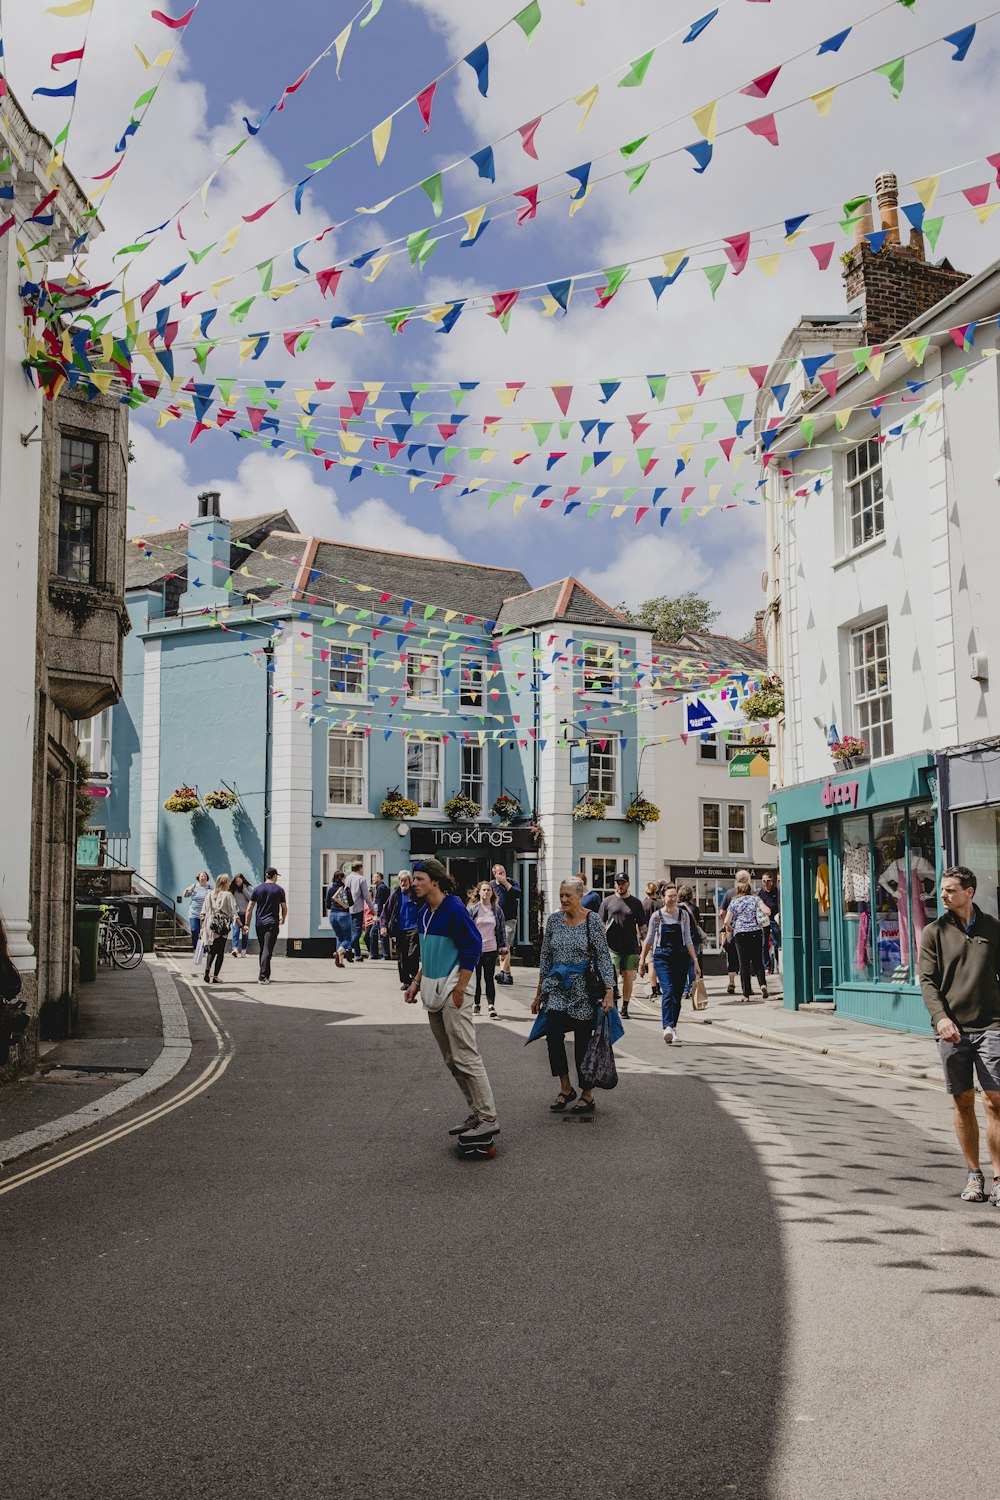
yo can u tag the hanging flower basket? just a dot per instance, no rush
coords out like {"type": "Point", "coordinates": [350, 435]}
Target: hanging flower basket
{"type": "Point", "coordinates": [767, 702]}
{"type": "Point", "coordinates": [759, 744]}
{"type": "Point", "coordinates": [591, 808]}
{"type": "Point", "coordinates": [506, 808]}
{"type": "Point", "coordinates": [184, 799]}
{"type": "Point", "coordinates": [462, 809]}
{"type": "Point", "coordinates": [846, 751]}
{"type": "Point", "coordinates": [642, 811]}
{"type": "Point", "coordinates": [398, 807]}
{"type": "Point", "coordinates": [221, 801]}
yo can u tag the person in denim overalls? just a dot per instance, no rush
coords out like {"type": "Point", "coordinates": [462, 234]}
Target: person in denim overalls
{"type": "Point", "coordinates": [668, 938]}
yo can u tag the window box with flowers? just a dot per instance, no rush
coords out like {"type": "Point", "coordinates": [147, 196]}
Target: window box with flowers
{"type": "Point", "coordinates": [760, 744]}
{"type": "Point", "coordinates": [766, 702]}
{"type": "Point", "coordinates": [848, 751]}
{"type": "Point", "coordinates": [592, 807]}
{"type": "Point", "coordinates": [398, 806]}
{"type": "Point", "coordinates": [506, 808]}
{"type": "Point", "coordinates": [183, 799]}
{"type": "Point", "coordinates": [462, 809]}
{"type": "Point", "coordinates": [641, 811]}
{"type": "Point", "coordinates": [221, 800]}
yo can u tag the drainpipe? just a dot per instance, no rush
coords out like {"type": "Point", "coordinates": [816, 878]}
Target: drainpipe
{"type": "Point", "coordinates": [268, 735]}
{"type": "Point", "coordinates": [536, 723]}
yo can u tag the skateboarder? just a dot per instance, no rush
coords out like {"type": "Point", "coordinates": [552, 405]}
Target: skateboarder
{"type": "Point", "coordinates": [450, 949]}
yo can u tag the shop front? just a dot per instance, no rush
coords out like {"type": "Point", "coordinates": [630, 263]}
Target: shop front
{"type": "Point", "coordinates": [709, 884]}
{"type": "Point", "coordinates": [470, 850]}
{"type": "Point", "coordinates": [860, 862]}
{"type": "Point", "coordinates": [970, 799]}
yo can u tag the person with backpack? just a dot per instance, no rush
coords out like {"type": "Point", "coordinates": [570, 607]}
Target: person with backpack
{"type": "Point", "coordinates": [743, 923]}
{"type": "Point", "coordinates": [240, 935]}
{"type": "Point", "coordinates": [338, 907]}
{"type": "Point", "coordinates": [401, 928]}
{"type": "Point", "coordinates": [217, 917]}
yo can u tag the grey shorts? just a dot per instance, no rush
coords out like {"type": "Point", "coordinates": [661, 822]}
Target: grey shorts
{"type": "Point", "coordinates": [511, 933]}
{"type": "Point", "coordinates": [977, 1055]}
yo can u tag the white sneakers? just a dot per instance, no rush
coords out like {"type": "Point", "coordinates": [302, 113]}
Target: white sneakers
{"type": "Point", "coordinates": [669, 1035]}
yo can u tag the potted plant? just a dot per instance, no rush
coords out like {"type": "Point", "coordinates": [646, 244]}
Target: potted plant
{"type": "Point", "coordinates": [767, 701]}
{"type": "Point", "coordinates": [396, 805]}
{"type": "Point", "coordinates": [506, 808]}
{"type": "Point", "coordinates": [760, 744]}
{"type": "Point", "coordinates": [640, 810]}
{"type": "Point", "coordinates": [847, 750]}
{"type": "Point", "coordinates": [462, 809]}
{"type": "Point", "coordinates": [591, 807]}
{"type": "Point", "coordinates": [221, 800]}
{"type": "Point", "coordinates": [183, 799]}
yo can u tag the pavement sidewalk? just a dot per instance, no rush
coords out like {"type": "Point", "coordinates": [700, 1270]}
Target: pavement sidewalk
{"type": "Point", "coordinates": [131, 1038]}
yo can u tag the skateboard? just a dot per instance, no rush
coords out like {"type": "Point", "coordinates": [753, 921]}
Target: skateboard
{"type": "Point", "coordinates": [477, 1148]}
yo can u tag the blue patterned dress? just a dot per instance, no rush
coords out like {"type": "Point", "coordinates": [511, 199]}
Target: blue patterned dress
{"type": "Point", "coordinates": [562, 944]}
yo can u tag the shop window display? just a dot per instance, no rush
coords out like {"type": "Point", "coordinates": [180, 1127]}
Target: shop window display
{"type": "Point", "coordinates": [889, 884]}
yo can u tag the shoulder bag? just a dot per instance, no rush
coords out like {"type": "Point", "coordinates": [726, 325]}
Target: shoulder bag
{"type": "Point", "coordinates": [595, 985]}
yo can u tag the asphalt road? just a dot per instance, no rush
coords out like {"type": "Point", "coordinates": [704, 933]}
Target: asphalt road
{"type": "Point", "coordinates": [749, 1276]}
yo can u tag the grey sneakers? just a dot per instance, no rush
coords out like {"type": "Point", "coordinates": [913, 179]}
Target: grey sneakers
{"type": "Point", "coordinates": [975, 1189]}
{"type": "Point", "coordinates": [482, 1130]}
{"type": "Point", "coordinates": [465, 1125]}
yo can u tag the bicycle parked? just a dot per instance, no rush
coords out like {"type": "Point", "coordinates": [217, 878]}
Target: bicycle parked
{"type": "Point", "coordinates": [117, 945]}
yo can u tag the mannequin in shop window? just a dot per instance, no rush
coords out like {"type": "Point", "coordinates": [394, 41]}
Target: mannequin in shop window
{"type": "Point", "coordinates": [857, 884]}
{"type": "Point", "coordinates": [917, 879]}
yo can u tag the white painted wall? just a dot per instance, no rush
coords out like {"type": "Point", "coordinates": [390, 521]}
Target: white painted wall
{"type": "Point", "coordinates": [933, 574]}
{"type": "Point", "coordinates": [20, 488]}
{"type": "Point", "coordinates": [291, 797]}
{"type": "Point", "coordinates": [147, 855]}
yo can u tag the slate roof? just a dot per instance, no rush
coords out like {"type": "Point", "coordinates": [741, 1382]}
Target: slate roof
{"type": "Point", "coordinates": [145, 572]}
{"type": "Point", "coordinates": [715, 650]}
{"type": "Point", "coordinates": [567, 599]}
{"type": "Point", "coordinates": [470, 588]}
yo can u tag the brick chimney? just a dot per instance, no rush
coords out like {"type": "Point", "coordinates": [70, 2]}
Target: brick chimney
{"type": "Point", "coordinates": [896, 284]}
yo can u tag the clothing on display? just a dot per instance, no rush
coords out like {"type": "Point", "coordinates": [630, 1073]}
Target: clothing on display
{"type": "Point", "coordinates": [823, 888]}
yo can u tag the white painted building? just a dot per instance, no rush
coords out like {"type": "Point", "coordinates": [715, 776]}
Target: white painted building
{"type": "Point", "coordinates": [884, 617]}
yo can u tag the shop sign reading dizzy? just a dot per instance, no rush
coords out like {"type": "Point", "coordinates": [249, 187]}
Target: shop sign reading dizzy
{"type": "Point", "coordinates": [841, 794]}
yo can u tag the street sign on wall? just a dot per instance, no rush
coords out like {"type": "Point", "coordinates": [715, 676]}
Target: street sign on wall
{"type": "Point", "coordinates": [748, 763]}
{"type": "Point", "coordinates": [579, 765]}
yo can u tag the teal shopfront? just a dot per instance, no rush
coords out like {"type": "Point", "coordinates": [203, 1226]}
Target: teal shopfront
{"type": "Point", "coordinates": [860, 864]}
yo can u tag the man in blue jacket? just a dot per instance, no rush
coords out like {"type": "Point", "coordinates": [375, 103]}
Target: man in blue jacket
{"type": "Point", "coordinates": [450, 948]}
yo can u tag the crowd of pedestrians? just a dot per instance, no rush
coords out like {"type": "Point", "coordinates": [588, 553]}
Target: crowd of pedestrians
{"type": "Point", "coordinates": [221, 916]}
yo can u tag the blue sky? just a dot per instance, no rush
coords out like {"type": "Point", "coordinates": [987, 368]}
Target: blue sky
{"type": "Point", "coordinates": [235, 60]}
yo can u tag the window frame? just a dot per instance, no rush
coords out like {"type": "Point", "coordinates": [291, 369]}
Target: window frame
{"type": "Point", "coordinates": [876, 732]}
{"type": "Point", "coordinates": [854, 515]}
{"type": "Point", "coordinates": [421, 700]}
{"type": "Point", "coordinates": [608, 668]}
{"type": "Point", "coordinates": [484, 770]}
{"type": "Point", "coordinates": [733, 746]}
{"type": "Point", "coordinates": [64, 540]}
{"type": "Point", "coordinates": [345, 694]}
{"type": "Point", "coordinates": [99, 726]}
{"type": "Point", "coordinates": [473, 661]}
{"type": "Point", "coordinates": [94, 441]}
{"type": "Point", "coordinates": [612, 749]}
{"type": "Point", "coordinates": [617, 862]}
{"type": "Point", "coordinates": [437, 809]}
{"type": "Point", "coordinates": [347, 809]}
{"type": "Point", "coordinates": [724, 828]}
{"type": "Point", "coordinates": [340, 859]}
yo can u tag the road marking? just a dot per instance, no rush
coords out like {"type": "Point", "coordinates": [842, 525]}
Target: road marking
{"type": "Point", "coordinates": [224, 1052]}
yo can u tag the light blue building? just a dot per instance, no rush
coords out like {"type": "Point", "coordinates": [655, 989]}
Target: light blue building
{"type": "Point", "coordinates": [310, 680]}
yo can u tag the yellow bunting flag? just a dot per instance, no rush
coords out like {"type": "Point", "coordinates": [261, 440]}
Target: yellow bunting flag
{"type": "Point", "coordinates": [230, 240]}
{"type": "Point", "coordinates": [672, 260]}
{"type": "Point", "coordinates": [578, 200]}
{"type": "Point", "coordinates": [986, 211]}
{"type": "Point", "coordinates": [875, 363]}
{"type": "Point", "coordinates": [473, 219]}
{"type": "Point", "coordinates": [158, 62]}
{"type": "Point", "coordinates": [75, 8]}
{"type": "Point", "coordinates": [586, 102]}
{"type": "Point", "coordinates": [378, 265]}
{"type": "Point", "coordinates": [823, 100]}
{"type": "Point", "coordinates": [768, 263]}
{"type": "Point", "coordinates": [340, 42]}
{"type": "Point", "coordinates": [842, 418]}
{"type": "Point", "coordinates": [377, 208]}
{"type": "Point", "coordinates": [380, 139]}
{"type": "Point", "coordinates": [926, 190]}
{"type": "Point", "coordinates": [216, 286]}
{"type": "Point", "coordinates": [706, 119]}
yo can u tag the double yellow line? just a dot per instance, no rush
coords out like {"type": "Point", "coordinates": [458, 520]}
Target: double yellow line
{"type": "Point", "coordinates": [211, 1074]}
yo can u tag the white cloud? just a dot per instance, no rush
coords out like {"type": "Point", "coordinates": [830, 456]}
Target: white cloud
{"type": "Point", "coordinates": [162, 493]}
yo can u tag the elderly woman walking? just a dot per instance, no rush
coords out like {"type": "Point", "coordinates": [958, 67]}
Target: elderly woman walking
{"type": "Point", "coordinates": [217, 917]}
{"type": "Point", "coordinates": [573, 937]}
{"type": "Point", "coordinates": [743, 924]}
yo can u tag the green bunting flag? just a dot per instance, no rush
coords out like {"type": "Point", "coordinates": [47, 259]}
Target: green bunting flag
{"type": "Point", "coordinates": [734, 404]}
{"type": "Point", "coordinates": [895, 72]}
{"type": "Point", "coordinates": [657, 386]}
{"type": "Point", "coordinates": [633, 146]}
{"type": "Point", "coordinates": [636, 174]}
{"type": "Point", "coordinates": [635, 75]}
{"type": "Point", "coordinates": [808, 429]}
{"type": "Point", "coordinates": [714, 275]}
{"type": "Point", "coordinates": [932, 231]}
{"type": "Point", "coordinates": [432, 187]}
{"type": "Point", "coordinates": [529, 18]}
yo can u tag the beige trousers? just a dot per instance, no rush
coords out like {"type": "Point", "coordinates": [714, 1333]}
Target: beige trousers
{"type": "Point", "coordinates": [455, 1033]}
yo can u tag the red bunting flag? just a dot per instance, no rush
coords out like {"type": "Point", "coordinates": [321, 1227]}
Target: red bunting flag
{"type": "Point", "coordinates": [977, 196]}
{"type": "Point", "coordinates": [766, 127]}
{"type": "Point", "coordinates": [292, 87]}
{"type": "Point", "coordinates": [425, 100]}
{"type": "Point", "coordinates": [530, 209]}
{"type": "Point", "coordinates": [638, 426]}
{"type": "Point", "coordinates": [727, 445]}
{"type": "Point", "coordinates": [823, 254]}
{"type": "Point", "coordinates": [737, 248]}
{"type": "Point", "coordinates": [563, 395]}
{"type": "Point", "coordinates": [259, 213]}
{"type": "Point", "coordinates": [527, 134]}
{"type": "Point", "coordinates": [58, 58]}
{"type": "Point", "coordinates": [761, 87]}
{"type": "Point", "coordinates": [994, 162]}
{"type": "Point", "coordinates": [180, 22]}
{"type": "Point", "coordinates": [758, 374]}
{"type": "Point", "coordinates": [328, 280]}
{"type": "Point", "coordinates": [829, 380]}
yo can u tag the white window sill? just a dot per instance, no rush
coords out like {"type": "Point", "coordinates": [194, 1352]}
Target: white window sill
{"type": "Point", "coordinates": [858, 552]}
{"type": "Point", "coordinates": [428, 815]}
{"type": "Point", "coordinates": [412, 705]}
{"type": "Point", "coordinates": [350, 700]}
{"type": "Point", "coordinates": [348, 812]}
